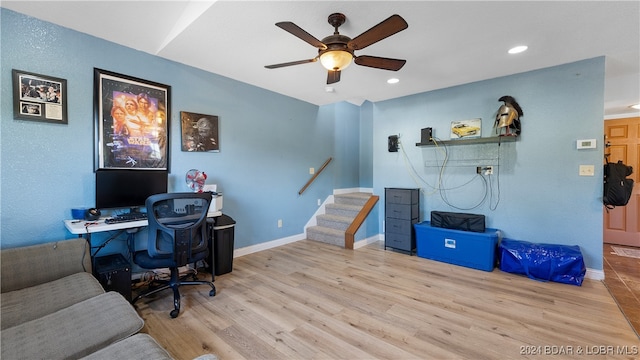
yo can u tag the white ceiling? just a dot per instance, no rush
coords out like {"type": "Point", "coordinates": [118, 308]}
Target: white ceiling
{"type": "Point", "coordinates": [447, 43]}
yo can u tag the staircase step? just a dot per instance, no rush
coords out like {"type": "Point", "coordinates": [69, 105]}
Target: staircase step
{"type": "Point", "coordinates": [345, 210]}
{"type": "Point", "coordinates": [355, 198]}
{"type": "Point", "coordinates": [334, 221]}
{"type": "Point", "coordinates": [326, 235]}
{"type": "Point", "coordinates": [337, 219]}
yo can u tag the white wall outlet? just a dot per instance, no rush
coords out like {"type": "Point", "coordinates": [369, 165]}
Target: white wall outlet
{"type": "Point", "coordinates": [279, 223]}
{"type": "Point", "coordinates": [488, 170]}
{"type": "Point", "coordinates": [312, 171]}
{"type": "Point", "coordinates": [319, 202]}
{"type": "Point", "coordinates": [587, 170]}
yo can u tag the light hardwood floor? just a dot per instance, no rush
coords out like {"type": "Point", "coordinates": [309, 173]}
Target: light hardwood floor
{"type": "Point", "coordinates": [622, 278]}
{"type": "Point", "coordinates": [309, 300]}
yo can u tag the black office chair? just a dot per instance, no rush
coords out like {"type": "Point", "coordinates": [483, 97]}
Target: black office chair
{"type": "Point", "coordinates": [178, 236]}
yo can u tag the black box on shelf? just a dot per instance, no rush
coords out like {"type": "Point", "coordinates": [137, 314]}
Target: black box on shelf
{"type": "Point", "coordinates": [426, 135]}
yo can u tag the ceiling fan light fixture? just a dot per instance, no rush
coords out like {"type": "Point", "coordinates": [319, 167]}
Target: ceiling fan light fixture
{"type": "Point", "coordinates": [393, 81]}
{"type": "Point", "coordinates": [518, 49]}
{"type": "Point", "coordinates": [336, 52]}
{"type": "Point", "coordinates": [336, 59]}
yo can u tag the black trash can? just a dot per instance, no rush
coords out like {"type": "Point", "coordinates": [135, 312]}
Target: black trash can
{"type": "Point", "coordinates": [223, 233]}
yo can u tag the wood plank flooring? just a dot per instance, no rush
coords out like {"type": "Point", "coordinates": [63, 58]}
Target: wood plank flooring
{"type": "Point", "coordinates": [309, 300]}
{"type": "Point", "coordinates": [622, 278]}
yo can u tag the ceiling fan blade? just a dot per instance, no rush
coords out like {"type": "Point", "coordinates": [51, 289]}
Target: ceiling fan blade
{"type": "Point", "coordinates": [333, 76]}
{"type": "Point", "coordinates": [388, 27]}
{"type": "Point", "coordinates": [275, 66]}
{"type": "Point", "coordinates": [298, 32]}
{"type": "Point", "coordinates": [380, 62]}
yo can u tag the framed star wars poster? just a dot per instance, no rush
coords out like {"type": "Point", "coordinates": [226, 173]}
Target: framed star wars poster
{"type": "Point", "coordinates": [132, 119]}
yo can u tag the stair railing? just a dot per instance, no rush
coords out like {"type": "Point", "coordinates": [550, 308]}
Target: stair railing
{"type": "Point", "coordinates": [349, 235]}
{"type": "Point", "coordinates": [315, 176]}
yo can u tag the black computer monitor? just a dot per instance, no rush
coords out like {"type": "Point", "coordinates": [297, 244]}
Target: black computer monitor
{"type": "Point", "coordinates": [124, 188]}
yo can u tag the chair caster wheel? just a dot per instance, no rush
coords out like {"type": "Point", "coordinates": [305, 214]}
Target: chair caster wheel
{"type": "Point", "coordinates": [174, 313]}
{"type": "Point", "coordinates": [212, 292]}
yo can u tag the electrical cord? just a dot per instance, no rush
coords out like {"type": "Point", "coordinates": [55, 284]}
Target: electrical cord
{"type": "Point", "coordinates": [412, 171]}
{"type": "Point", "coordinates": [484, 197]}
{"type": "Point", "coordinates": [109, 239]}
{"type": "Point", "coordinates": [84, 253]}
{"type": "Point", "coordinates": [414, 174]}
{"type": "Point", "coordinates": [494, 207]}
{"type": "Point", "coordinates": [439, 188]}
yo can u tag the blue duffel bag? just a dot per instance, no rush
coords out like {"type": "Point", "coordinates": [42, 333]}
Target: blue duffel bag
{"type": "Point", "coordinates": [545, 262]}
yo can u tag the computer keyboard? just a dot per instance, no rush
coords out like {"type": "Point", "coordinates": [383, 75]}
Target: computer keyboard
{"type": "Point", "coordinates": [126, 218]}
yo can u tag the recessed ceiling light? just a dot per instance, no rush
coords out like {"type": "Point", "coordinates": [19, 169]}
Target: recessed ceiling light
{"type": "Point", "coordinates": [329, 89]}
{"type": "Point", "coordinates": [636, 106]}
{"type": "Point", "coordinates": [518, 49]}
{"type": "Point", "coordinates": [393, 81]}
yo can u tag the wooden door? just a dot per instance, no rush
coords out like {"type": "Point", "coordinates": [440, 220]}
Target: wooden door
{"type": "Point", "coordinates": [622, 139]}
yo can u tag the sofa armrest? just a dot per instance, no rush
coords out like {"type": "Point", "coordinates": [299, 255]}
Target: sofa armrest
{"type": "Point", "coordinates": [27, 266]}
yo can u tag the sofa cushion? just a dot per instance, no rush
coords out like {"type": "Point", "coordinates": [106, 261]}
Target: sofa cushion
{"type": "Point", "coordinates": [73, 332]}
{"type": "Point", "coordinates": [27, 266]}
{"type": "Point", "coordinates": [136, 347]}
{"type": "Point", "coordinates": [33, 302]}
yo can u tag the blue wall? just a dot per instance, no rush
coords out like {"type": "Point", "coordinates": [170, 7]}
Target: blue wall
{"type": "Point", "coordinates": [269, 142]}
{"type": "Point", "coordinates": [541, 196]}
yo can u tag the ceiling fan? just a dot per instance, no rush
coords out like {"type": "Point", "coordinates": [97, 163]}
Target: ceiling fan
{"type": "Point", "coordinates": [335, 52]}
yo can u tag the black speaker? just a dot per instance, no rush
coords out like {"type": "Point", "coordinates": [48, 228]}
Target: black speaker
{"type": "Point", "coordinates": [426, 136]}
{"type": "Point", "coordinates": [393, 143]}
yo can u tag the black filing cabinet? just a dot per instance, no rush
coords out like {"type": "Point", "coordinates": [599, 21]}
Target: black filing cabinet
{"type": "Point", "coordinates": [114, 273]}
{"type": "Point", "coordinates": [401, 211]}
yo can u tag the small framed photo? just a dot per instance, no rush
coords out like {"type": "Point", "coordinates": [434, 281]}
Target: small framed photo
{"type": "Point", "coordinates": [39, 97]}
{"type": "Point", "coordinates": [466, 129]}
{"type": "Point", "coordinates": [199, 132]}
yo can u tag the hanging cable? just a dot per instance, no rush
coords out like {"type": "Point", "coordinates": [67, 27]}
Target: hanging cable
{"type": "Point", "coordinates": [484, 197]}
{"type": "Point", "coordinates": [439, 188]}
{"type": "Point", "coordinates": [494, 207]}
{"type": "Point", "coordinates": [414, 174]}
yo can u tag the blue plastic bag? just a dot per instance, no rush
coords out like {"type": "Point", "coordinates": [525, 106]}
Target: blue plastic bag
{"type": "Point", "coordinates": [544, 262]}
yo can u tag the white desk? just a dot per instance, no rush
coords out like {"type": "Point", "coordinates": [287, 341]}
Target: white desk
{"type": "Point", "coordinates": [82, 227]}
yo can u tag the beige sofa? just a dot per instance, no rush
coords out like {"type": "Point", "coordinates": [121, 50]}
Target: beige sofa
{"type": "Point", "coordinates": [52, 307]}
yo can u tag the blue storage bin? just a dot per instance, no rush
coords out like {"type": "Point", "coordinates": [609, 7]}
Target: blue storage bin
{"type": "Point", "coordinates": [465, 248]}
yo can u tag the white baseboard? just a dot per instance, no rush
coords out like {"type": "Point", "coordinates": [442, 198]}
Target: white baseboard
{"type": "Point", "coordinates": [367, 241]}
{"type": "Point", "coordinates": [267, 245]}
{"type": "Point", "coordinates": [594, 274]}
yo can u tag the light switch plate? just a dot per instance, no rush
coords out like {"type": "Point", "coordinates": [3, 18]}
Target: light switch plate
{"type": "Point", "coordinates": [587, 170]}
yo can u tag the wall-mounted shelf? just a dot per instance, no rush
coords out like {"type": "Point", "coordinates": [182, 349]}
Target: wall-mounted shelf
{"type": "Point", "coordinates": [484, 140]}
